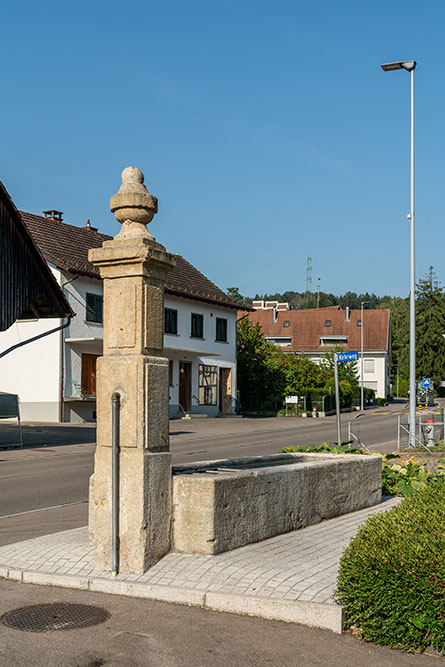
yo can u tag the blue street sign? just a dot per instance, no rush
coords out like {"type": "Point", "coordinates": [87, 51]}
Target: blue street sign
{"type": "Point", "coordinates": [347, 356]}
{"type": "Point", "coordinates": [426, 383]}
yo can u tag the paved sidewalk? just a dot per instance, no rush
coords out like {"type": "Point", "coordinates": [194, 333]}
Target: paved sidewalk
{"type": "Point", "coordinates": [290, 577]}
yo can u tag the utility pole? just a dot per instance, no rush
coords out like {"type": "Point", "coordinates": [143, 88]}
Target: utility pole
{"type": "Point", "coordinates": [337, 398]}
{"type": "Point", "coordinates": [309, 274]}
{"type": "Point", "coordinates": [318, 293]}
{"type": "Point", "coordinates": [362, 355]}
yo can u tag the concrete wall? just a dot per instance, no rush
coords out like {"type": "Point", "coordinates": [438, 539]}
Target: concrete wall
{"type": "Point", "coordinates": [216, 509]}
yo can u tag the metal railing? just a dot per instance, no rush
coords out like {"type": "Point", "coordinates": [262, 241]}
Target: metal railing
{"type": "Point", "coordinates": [352, 436]}
{"type": "Point", "coordinates": [427, 432]}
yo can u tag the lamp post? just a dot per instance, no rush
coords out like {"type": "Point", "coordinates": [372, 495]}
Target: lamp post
{"type": "Point", "coordinates": [361, 346]}
{"type": "Point", "coordinates": [410, 66]}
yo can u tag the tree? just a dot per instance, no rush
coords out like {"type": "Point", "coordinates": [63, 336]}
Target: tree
{"type": "Point", "coordinates": [430, 327]}
{"type": "Point", "coordinates": [266, 374]}
{"type": "Point", "coordinates": [347, 370]}
{"type": "Point", "coordinates": [399, 341]}
{"type": "Point", "coordinates": [301, 373]}
{"type": "Point", "coordinates": [234, 293]}
{"type": "Point", "coordinates": [260, 370]}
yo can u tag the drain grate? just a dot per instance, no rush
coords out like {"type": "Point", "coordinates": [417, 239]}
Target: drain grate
{"type": "Point", "coordinates": [56, 616]}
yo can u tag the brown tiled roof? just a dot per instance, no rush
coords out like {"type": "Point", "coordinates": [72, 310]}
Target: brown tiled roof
{"type": "Point", "coordinates": [67, 247]}
{"type": "Point", "coordinates": [306, 327]}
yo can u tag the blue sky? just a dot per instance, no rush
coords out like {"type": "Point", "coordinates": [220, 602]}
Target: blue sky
{"type": "Point", "coordinates": [267, 130]}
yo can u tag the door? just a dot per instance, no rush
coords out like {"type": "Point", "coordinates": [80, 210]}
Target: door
{"type": "Point", "coordinates": [89, 374]}
{"type": "Point", "coordinates": [225, 390]}
{"type": "Point", "coordinates": [185, 385]}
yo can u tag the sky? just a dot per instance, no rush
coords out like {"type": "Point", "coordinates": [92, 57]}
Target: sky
{"type": "Point", "coordinates": [267, 130]}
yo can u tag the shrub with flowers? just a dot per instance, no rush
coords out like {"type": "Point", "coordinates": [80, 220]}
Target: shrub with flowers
{"type": "Point", "coordinates": [403, 478]}
{"type": "Point", "coordinates": [399, 477]}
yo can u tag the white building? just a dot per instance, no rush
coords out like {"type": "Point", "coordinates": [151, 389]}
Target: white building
{"type": "Point", "coordinates": [315, 331]}
{"type": "Point", "coordinates": [55, 377]}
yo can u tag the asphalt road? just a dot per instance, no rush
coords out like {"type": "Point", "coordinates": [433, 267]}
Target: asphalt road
{"type": "Point", "coordinates": [146, 633]}
{"type": "Point", "coordinates": [44, 486]}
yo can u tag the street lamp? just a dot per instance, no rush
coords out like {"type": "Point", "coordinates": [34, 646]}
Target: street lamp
{"type": "Point", "coordinates": [410, 66]}
{"type": "Point", "coordinates": [361, 340]}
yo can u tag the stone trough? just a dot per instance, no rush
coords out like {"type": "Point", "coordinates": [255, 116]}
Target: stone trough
{"type": "Point", "coordinates": [222, 505]}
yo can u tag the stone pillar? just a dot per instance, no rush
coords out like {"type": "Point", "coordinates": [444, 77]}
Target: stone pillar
{"type": "Point", "coordinates": [134, 268]}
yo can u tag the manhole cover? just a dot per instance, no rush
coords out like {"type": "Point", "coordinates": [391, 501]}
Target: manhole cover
{"type": "Point", "coordinates": [56, 616]}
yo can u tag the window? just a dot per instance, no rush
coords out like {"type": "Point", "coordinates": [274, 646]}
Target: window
{"type": "Point", "coordinates": [333, 340]}
{"type": "Point", "coordinates": [282, 341]}
{"type": "Point", "coordinates": [221, 329]}
{"type": "Point", "coordinates": [368, 365]}
{"type": "Point", "coordinates": [359, 323]}
{"type": "Point", "coordinates": [207, 385]}
{"type": "Point", "coordinates": [170, 321]}
{"type": "Point", "coordinates": [95, 308]}
{"type": "Point", "coordinates": [327, 323]}
{"type": "Point", "coordinates": [197, 326]}
{"type": "Point", "coordinates": [286, 323]}
{"type": "Point", "coordinates": [170, 373]}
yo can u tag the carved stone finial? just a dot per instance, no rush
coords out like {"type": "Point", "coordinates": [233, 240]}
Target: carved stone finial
{"type": "Point", "coordinates": [133, 206]}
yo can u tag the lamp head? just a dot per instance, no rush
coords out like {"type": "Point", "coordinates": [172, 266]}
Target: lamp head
{"type": "Point", "coordinates": [409, 65]}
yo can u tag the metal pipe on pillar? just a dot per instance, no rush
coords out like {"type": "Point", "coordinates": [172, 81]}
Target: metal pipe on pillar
{"type": "Point", "coordinates": [115, 407]}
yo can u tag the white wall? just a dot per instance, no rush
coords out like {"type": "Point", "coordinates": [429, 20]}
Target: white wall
{"type": "Point", "coordinates": [206, 350]}
{"type": "Point", "coordinates": [179, 347]}
{"type": "Point", "coordinates": [76, 292]}
{"type": "Point", "coordinates": [380, 375]}
{"type": "Point", "coordinates": [83, 331]}
{"type": "Point", "coordinates": [33, 370]}
{"type": "Point", "coordinates": [208, 344]}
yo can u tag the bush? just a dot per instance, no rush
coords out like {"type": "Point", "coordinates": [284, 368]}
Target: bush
{"type": "Point", "coordinates": [392, 575]}
{"type": "Point", "coordinates": [344, 448]}
{"type": "Point", "coordinates": [381, 402]}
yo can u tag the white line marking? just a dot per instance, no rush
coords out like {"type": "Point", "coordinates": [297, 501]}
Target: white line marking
{"type": "Point", "coordinates": [38, 458]}
{"type": "Point", "coordinates": [43, 509]}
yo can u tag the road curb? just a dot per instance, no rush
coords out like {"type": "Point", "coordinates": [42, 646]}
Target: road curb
{"type": "Point", "coordinates": [326, 616]}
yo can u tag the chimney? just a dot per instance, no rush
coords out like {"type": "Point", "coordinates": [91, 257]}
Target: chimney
{"type": "Point", "coordinates": [347, 316]}
{"type": "Point", "coordinates": [88, 226]}
{"type": "Point", "coordinates": [53, 215]}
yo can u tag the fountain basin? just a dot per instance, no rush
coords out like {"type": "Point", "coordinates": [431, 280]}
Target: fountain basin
{"type": "Point", "coordinates": [222, 505]}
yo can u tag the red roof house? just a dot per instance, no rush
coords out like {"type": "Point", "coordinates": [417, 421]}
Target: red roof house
{"type": "Point", "coordinates": [315, 331]}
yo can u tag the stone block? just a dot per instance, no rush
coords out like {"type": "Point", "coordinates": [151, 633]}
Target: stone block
{"type": "Point", "coordinates": [218, 506]}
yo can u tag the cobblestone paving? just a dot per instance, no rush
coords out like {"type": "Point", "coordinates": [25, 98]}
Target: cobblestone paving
{"type": "Point", "coordinates": [301, 565]}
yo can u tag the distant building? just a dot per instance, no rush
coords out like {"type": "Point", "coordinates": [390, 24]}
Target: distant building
{"type": "Point", "coordinates": [56, 377]}
{"type": "Point", "coordinates": [315, 331]}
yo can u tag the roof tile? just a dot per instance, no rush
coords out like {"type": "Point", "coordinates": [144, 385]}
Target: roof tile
{"type": "Point", "coordinates": [306, 326]}
{"type": "Point", "coordinates": [67, 247]}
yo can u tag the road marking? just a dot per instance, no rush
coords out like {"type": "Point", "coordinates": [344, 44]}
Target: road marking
{"type": "Point", "coordinates": [43, 509]}
{"type": "Point", "coordinates": [27, 458]}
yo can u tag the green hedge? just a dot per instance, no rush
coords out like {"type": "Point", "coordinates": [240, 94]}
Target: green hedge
{"type": "Point", "coordinates": [392, 575]}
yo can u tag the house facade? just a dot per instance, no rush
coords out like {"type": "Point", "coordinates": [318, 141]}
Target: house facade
{"type": "Point", "coordinates": [55, 377]}
{"type": "Point", "coordinates": [315, 331]}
